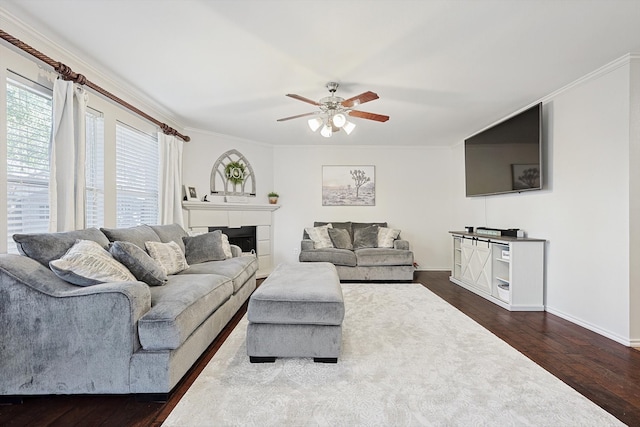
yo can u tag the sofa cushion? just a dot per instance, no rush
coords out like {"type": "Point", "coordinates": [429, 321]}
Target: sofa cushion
{"type": "Point", "coordinates": [139, 263]}
{"type": "Point", "coordinates": [369, 257]}
{"type": "Point", "coordinates": [45, 247]}
{"type": "Point", "coordinates": [320, 236]}
{"type": "Point", "coordinates": [340, 238]}
{"type": "Point", "coordinates": [333, 255]}
{"type": "Point", "coordinates": [179, 307]}
{"type": "Point", "coordinates": [204, 247]}
{"type": "Point", "coordinates": [87, 263]}
{"type": "Point", "coordinates": [365, 237]}
{"type": "Point", "coordinates": [169, 256]}
{"type": "Point", "coordinates": [170, 233]}
{"type": "Point", "coordinates": [238, 269]}
{"type": "Point", "coordinates": [137, 235]}
{"type": "Point", "coordinates": [386, 236]}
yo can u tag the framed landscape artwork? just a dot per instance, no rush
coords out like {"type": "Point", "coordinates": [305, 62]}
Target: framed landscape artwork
{"type": "Point", "coordinates": [348, 185]}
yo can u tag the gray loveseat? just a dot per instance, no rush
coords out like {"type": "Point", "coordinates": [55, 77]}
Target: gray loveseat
{"type": "Point", "coordinates": [354, 249]}
{"type": "Point", "coordinates": [110, 338]}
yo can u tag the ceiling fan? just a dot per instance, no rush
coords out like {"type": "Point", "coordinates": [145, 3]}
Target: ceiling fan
{"type": "Point", "coordinates": [333, 111]}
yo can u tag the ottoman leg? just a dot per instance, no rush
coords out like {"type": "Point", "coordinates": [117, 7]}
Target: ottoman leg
{"type": "Point", "coordinates": [325, 359]}
{"type": "Point", "coordinates": [254, 359]}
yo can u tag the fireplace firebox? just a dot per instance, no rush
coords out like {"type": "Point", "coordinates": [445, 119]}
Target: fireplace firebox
{"type": "Point", "coordinates": [245, 237]}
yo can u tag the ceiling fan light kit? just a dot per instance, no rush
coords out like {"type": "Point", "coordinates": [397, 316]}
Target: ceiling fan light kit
{"type": "Point", "coordinates": [334, 111]}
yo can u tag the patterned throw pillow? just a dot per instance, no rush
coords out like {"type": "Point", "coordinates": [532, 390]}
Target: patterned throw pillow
{"type": "Point", "coordinates": [320, 236]}
{"type": "Point", "coordinates": [87, 263]}
{"type": "Point", "coordinates": [169, 256]}
{"type": "Point", "coordinates": [340, 238]}
{"type": "Point", "coordinates": [204, 247]}
{"type": "Point", "coordinates": [226, 247]}
{"type": "Point", "coordinates": [386, 236]}
{"type": "Point", "coordinates": [145, 268]}
{"type": "Point", "coordinates": [366, 237]}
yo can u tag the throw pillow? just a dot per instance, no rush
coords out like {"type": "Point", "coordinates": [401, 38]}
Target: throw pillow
{"type": "Point", "coordinates": [169, 256]}
{"type": "Point", "coordinates": [145, 268]}
{"type": "Point", "coordinates": [366, 237]}
{"type": "Point", "coordinates": [204, 247]}
{"type": "Point", "coordinates": [226, 246]}
{"type": "Point", "coordinates": [87, 263]}
{"type": "Point", "coordinates": [386, 236]}
{"type": "Point", "coordinates": [320, 236]}
{"type": "Point", "coordinates": [340, 238]}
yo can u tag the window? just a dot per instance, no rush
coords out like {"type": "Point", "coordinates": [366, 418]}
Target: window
{"type": "Point", "coordinates": [136, 177]}
{"type": "Point", "coordinates": [94, 209]}
{"type": "Point", "coordinates": [29, 124]}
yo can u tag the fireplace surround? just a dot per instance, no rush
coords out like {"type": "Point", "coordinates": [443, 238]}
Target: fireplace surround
{"type": "Point", "coordinates": [200, 217]}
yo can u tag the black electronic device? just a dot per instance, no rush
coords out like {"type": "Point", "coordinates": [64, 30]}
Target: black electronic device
{"type": "Point", "coordinates": [510, 232]}
{"type": "Point", "coordinates": [506, 157]}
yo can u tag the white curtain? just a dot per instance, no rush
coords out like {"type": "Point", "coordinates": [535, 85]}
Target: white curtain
{"type": "Point", "coordinates": [170, 199]}
{"type": "Point", "coordinates": [67, 157]}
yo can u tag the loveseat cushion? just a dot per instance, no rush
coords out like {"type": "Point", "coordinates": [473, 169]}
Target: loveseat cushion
{"type": "Point", "coordinates": [365, 237]}
{"type": "Point", "coordinates": [238, 269]}
{"type": "Point", "coordinates": [179, 307]}
{"type": "Point", "coordinates": [45, 247]}
{"type": "Point", "coordinates": [340, 238]}
{"type": "Point", "coordinates": [369, 257]}
{"type": "Point", "coordinates": [333, 255]}
{"type": "Point", "coordinates": [171, 233]}
{"type": "Point", "coordinates": [136, 235]}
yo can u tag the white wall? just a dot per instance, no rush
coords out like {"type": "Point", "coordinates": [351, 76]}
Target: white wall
{"type": "Point", "coordinates": [412, 193]}
{"type": "Point", "coordinates": [203, 150]}
{"type": "Point", "coordinates": [584, 210]}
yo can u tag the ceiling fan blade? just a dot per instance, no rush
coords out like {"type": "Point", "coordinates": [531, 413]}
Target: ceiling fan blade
{"type": "Point", "coordinates": [370, 116]}
{"type": "Point", "coordinates": [302, 98]}
{"type": "Point", "coordinates": [360, 99]}
{"type": "Point", "coordinates": [295, 117]}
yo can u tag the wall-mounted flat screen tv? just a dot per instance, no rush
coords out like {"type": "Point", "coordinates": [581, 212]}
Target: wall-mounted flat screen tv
{"type": "Point", "coordinates": [506, 157]}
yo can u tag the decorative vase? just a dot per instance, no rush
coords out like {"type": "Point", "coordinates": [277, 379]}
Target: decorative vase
{"type": "Point", "coordinates": [273, 200]}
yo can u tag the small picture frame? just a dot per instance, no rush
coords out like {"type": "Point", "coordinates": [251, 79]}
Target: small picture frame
{"type": "Point", "coordinates": [190, 193]}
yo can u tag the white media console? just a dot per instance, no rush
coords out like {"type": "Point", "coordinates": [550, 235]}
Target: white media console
{"type": "Point", "coordinates": [508, 271]}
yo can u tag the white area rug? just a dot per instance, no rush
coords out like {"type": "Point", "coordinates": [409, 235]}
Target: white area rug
{"type": "Point", "coordinates": [408, 359]}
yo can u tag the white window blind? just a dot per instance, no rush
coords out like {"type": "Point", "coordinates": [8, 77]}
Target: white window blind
{"type": "Point", "coordinates": [29, 123]}
{"type": "Point", "coordinates": [94, 210]}
{"type": "Point", "coordinates": [136, 177]}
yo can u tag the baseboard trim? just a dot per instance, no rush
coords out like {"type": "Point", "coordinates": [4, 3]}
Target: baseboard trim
{"type": "Point", "coordinates": [608, 334]}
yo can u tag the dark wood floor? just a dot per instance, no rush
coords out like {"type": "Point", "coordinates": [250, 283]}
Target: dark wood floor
{"type": "Point", "coordinates": [602, 370]}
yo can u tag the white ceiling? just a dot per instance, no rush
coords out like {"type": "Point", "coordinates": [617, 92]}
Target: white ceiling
{"type": "Point", "coordinates": [442, 69]}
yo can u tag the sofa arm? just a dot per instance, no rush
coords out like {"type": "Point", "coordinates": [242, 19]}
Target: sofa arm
{"type": "Point", "coordinates": [401, 244]}
{"type": "Point", "coordinates": [58, 338]}
{"type": "Point", "coordinates": [306, 245]}
{"type": "Point", "coordinates": [236, 251]}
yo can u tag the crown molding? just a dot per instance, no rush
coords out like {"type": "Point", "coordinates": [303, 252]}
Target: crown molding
{"type": "Point", "coordinates": [599, 72]}
{"type": "Point", "coordinates": [53, 47]}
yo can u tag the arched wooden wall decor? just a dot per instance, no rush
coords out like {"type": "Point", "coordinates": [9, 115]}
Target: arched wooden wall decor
{"type": "Point", "coordinates": [232, 175]}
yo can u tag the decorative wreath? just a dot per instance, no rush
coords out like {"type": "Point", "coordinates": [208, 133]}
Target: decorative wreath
{"type": "Point", "coordinates": [235, 172]}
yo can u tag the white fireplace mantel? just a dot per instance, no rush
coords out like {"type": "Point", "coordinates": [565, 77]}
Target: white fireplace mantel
{"type": "Point", "coordinates": [202, 215]}
{"type": "Point", "coordinates": [228, 206]}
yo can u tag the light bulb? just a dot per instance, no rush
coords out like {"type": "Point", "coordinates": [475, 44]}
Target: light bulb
{"type": "Point", "coordinates": [339, 120]}
{"type": "Point", "coordinates": [315, 123]}
{"type": "Point", "coordinates": [349, 127]}
{"type": "Point", "coordinates": [326, 131]}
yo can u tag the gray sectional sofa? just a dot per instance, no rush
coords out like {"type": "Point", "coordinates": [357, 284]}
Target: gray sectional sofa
{"type": "Point", "coordinates": [356, 253]}
{"type": "Point", "coordinates": [116, 337]}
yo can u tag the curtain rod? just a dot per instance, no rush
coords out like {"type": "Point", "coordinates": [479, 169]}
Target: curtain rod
{"type": "Point", "coordinates": [68, 74]}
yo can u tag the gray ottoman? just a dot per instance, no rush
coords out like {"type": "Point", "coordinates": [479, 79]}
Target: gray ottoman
{"type": "Point", "coordinates": [296, 312]}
